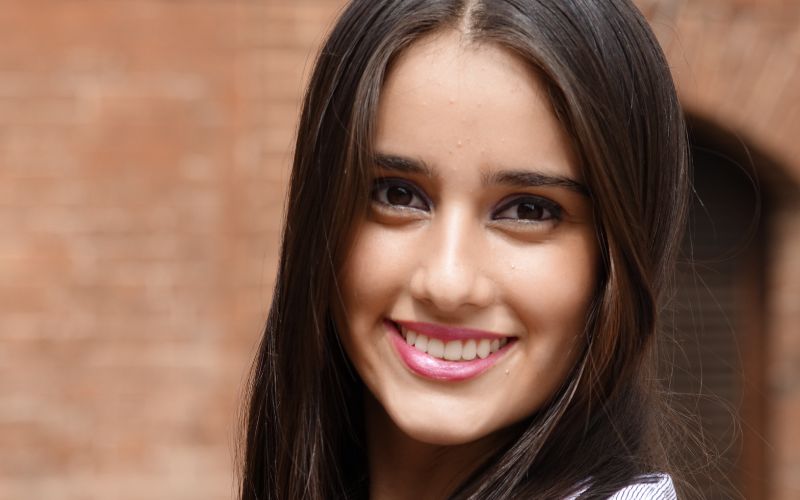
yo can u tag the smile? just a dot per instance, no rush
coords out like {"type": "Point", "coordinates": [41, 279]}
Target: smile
{"type": "Point", "coordinates": [452, 350]}
{"type": "Point", "coordinates": [446, 353]}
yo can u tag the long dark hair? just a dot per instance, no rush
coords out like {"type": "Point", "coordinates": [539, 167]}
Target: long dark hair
{"type": "Point", "coordinates": [610, 87]}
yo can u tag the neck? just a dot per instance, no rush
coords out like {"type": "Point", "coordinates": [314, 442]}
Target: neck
{"type": "Point", "coordinates": [402, 468]}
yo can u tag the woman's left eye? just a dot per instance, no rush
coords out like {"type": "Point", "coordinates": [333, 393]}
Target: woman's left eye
{"type": "Point", "coordinates": [529, 209]}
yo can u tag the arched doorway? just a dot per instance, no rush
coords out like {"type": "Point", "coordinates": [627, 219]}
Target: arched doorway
{"type": "Point", "coordinates": [716, 356]}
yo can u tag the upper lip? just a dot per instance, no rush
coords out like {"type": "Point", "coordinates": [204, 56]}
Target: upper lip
{"type": "Point", "coordinates": [445, 332]}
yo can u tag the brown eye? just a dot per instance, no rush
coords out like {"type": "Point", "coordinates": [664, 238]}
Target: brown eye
{"type": "Point", "coordinates": [399, 194]}
{"type": "Point", "coordinates": [529, 209]}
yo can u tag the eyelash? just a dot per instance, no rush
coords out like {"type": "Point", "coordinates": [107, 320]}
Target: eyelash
{"type": "Point", "coordinates": [380, 194]}
{"type": "Point", "coordinates": [548, 210]}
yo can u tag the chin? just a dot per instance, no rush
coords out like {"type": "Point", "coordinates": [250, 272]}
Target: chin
{"type": "Point", "coordinates": [442, 429]}
{"type": "Point", "coordinates": [443, 435]}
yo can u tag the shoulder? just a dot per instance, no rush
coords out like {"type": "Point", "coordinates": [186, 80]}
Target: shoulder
{"type": "Point", "coordinates": [655, 487]}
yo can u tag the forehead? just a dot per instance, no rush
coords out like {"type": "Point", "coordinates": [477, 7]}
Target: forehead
{"type": "Point", "coordinates": [449, 55]}
{"type": "Point", "coordinates": [453, 101]}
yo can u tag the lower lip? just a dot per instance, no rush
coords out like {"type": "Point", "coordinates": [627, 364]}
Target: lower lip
{"type": "Point", "coordinates": [441, 369]}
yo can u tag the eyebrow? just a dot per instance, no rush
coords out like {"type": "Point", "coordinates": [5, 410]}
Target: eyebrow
{"type": "Point", "coordinates": [529, 178]}
{"type": "Point", "coordinates": [513, 178]}
{"type": "Point", "coordinates": [403, 165]}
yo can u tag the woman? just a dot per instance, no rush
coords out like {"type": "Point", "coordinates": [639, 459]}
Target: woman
{"type": "Point", "coordinates": [484, 212]}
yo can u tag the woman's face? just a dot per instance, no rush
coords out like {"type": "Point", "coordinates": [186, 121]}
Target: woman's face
{"type": "Point", "coordinates": [467, 284]}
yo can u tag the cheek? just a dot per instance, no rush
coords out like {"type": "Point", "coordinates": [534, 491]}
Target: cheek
{"type": "Point", "coordinates": [365, 270]}
{"type": "Point", "coordinates": [372, 281]}
{"type": "Point", "coordinates": [552, 284]}
{"type": "Point", "coordinates": [376, 269]}
{"type": "Point", "coordinates": [551, 289]}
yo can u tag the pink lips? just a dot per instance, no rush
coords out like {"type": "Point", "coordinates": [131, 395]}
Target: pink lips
{"type": "Point", "coordinates": [440, 369]}
{"type": "Point", "coordinates": [446, 332]}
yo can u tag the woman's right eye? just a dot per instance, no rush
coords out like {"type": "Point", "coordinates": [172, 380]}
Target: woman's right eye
{"type": "Point", "coordinates": [400, 194]}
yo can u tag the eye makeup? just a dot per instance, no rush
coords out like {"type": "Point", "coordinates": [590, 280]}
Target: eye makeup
{"type": "Point", "coordinates": [528, 209]}
{"type": "Point", "coordinates": [399, 194]}
{"type": "Point", "coordinates": [402, 196]}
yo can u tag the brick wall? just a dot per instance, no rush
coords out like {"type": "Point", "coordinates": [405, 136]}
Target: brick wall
{"type": "Point", "coordinates": [144, 150]}
{"type": "Point", "coordinates": [143, 157]}
{"type": "Point", "coordinates": [737, 63]}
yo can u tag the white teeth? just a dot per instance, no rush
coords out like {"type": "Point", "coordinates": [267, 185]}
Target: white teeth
{"type": "Point", "coordinates": [469, 351]}
{"type": "Point", "coordinates": [452, 350]}
{"type": "Point", "coordinates": [436, 348]}
{"type": "Point", "coordinates": [483, 348]}
{"type": "Point", "coordinates": [421, 343]}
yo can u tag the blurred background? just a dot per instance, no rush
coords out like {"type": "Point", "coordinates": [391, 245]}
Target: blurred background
{"type": "Point", "coordinates": [144, 153]}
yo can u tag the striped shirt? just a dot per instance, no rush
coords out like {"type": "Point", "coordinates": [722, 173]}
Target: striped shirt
{"type": "Point", "coordinates": [658, 490]}
{"type": "Point", "coordinates": [658, 487]}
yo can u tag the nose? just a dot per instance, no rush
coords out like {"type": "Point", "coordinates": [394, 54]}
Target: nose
{"type": "Point", "coordinates": [451, 273]}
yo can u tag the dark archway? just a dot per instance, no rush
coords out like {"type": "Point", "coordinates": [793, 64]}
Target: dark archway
{"type": "Point", "coordinates": [716, 356]}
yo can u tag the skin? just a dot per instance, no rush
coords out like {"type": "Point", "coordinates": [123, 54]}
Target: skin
{"type": "Point", "coordinates": [453, 246]}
